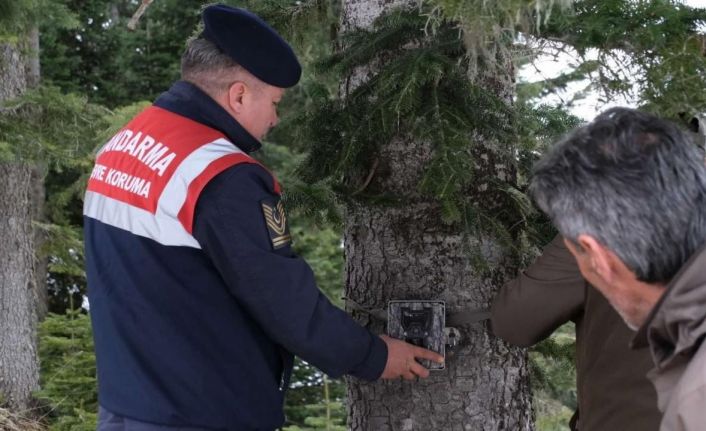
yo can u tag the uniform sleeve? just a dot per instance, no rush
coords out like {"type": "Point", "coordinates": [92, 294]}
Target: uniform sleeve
{"type": "Point", "coordinates": [276, 287]}
{"type": "Point", "coordinates": [549, 293]}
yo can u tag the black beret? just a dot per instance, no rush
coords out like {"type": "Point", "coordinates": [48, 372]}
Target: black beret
{"type": "Point", "coordinates": [252, 43]}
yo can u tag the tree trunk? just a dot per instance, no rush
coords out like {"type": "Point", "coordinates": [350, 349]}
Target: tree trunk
{"type": "Point", "coordinates": [41, 290]}
{"type": "Point", "coordinates": [33, 77]}
{"type": "Point", "coordinates": [13, 74]}
{"type": "Point", "coordinates": [19, 366]}
{"type": "Point", "coordinates": [407, 252]}
{"type": "Point", "coordinates": [114, 13]}
{"type": "Point", "coordinates": [33, 69]}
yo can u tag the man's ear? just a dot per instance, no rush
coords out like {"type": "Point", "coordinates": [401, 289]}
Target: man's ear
{"type": "Point", "coordinates": [599, 258]}
{"type": "Point", "coordinates": [236, 96]}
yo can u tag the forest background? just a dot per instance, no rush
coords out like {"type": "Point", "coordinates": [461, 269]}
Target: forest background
{"type": "Point", "coordinates": [87, 74]}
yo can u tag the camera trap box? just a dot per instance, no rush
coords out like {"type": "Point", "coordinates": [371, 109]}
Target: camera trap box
{"type": "Point", "coordinates": [420, 323]}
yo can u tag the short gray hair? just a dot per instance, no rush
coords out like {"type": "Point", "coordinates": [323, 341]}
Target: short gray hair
{"type": "Point", "coordinates": [634, 182]}
{"type": "Point", "coordinates": [205, 65]}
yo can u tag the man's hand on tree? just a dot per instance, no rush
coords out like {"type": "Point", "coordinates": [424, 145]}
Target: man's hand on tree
{"type": "Point", "coordinates": [402, 359]}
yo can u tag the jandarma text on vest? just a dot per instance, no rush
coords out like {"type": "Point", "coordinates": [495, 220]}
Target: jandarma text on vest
{"type": "Point", "coordinates": [156, 157]}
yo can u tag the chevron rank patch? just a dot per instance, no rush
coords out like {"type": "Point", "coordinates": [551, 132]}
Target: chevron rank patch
{"type": "Point", "coordinates": [276, 221]}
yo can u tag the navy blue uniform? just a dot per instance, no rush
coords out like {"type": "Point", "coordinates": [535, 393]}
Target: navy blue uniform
{"type": "Point", "coordinates": [198, 329]}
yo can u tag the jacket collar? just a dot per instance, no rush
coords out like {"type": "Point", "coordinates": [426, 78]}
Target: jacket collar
{"type": "Point", "coordinates": [186, 99]}
{"type": "Point", "coordinates": [676, 326]}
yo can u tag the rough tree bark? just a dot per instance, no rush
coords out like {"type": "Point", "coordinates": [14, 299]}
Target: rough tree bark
{"type": "Point", "coordinates": [19, 205]}
{"type": "Point", "coordinates": [33, 77]}
{"type": "Point", "coordinates": [19, 367]}
{"type": "Point", "coordinates": [406, 252]}
{"type": "Point", "coordinates": [33, 71]}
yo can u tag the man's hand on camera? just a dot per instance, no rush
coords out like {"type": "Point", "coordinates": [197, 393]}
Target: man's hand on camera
{"type": "Point", "coordinates": [402, 359]}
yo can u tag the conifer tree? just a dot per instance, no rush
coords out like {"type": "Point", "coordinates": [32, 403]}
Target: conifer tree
{"type": "Point", "coordinates": [424, 162]}
{"type": "Point", "coordinates": [19, 200]}
{"type": "Point", "coordinates": [25, 152]}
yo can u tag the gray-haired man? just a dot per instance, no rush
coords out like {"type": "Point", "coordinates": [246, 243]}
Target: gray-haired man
{"type": "Point", "coordinates": [628, 193]}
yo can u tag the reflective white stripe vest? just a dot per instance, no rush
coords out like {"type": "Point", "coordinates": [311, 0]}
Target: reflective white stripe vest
{"type": "Point", "coordinates": [147, 178]}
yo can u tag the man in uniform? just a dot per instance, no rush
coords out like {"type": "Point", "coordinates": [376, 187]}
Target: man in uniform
{"type": "Point", "coordinates": [551, 292]}
{"type": "Point", "coordinates": [628, 194]}
{"type": "Point", "coordinates": [196, 298]}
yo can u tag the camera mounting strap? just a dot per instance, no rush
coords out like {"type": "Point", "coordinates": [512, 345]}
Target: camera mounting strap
{"type": "Point", "coordinates": [424, 323]}
{"type": "Point", "coordinates": [462, 317]}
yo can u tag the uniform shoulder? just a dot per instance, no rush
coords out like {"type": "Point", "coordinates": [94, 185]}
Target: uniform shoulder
{"type": "Point", "coordinates": [243, 179]}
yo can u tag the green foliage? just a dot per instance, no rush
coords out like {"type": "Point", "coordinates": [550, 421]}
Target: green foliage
{"type": "Point", "coordinates": [315, 203]}
{"type": "Point", "coordinates": [296, 21]}
{"type": "Point", "coordinates": [543, 126]}
{"type": "Point", "coordinates": [314, 402]}
{"type": "Point", "coordinates": [422, 90]}
{"type": "Point", "coordinates": [551, 415]}
{"type": "Point", "coordinates": [16, 17]}
{"type": "Point", "coordinates": [651, 50]}
{"type": "Point", "coordinates": [652, 46]}
{"type": "Point", "coordinates": [112, 65]}
{"type": "Point", "coordinates": [323, 249]}
{"type": "Point", "coordinates": [553, 376]}
{"type": "Point", "coordinates": [489, 27]}
{"type": "Point", "coordinates": [625, 24]}
{"type": "Point", "coordinates": [526, 92]}
{"type": "Point", "coordinates": [58, 132]}
{"type": "Point", "coordinates": [68, 374]}
{"type": "Point", "coordinates": [49, 126]}
{"type": "Point", "coordinates": [65, 248]}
